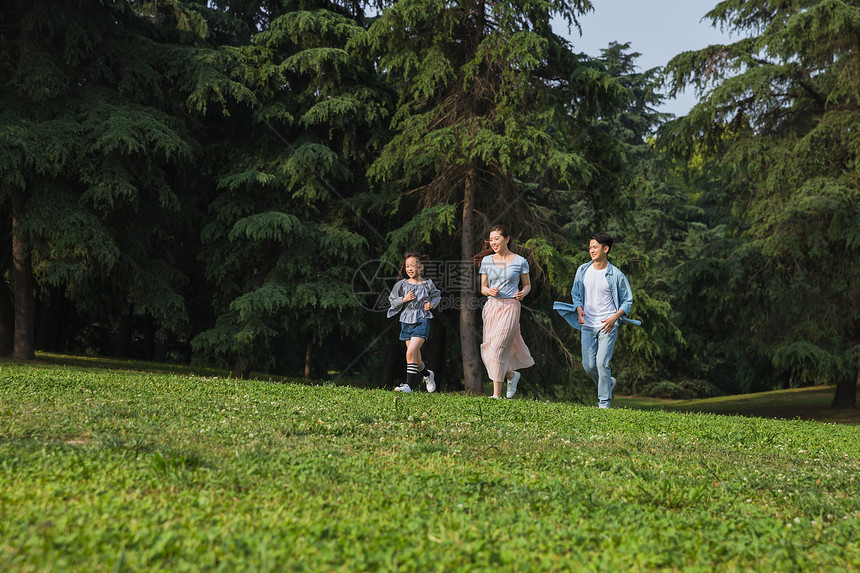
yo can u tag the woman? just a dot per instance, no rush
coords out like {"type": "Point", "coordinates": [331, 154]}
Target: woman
{"type": "Point", "coordinates": [503, 349]}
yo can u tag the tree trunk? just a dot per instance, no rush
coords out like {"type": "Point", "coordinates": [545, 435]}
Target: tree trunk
{"type": "Point", "coordinates": [469, 335]}
{"type": "Point", "coordinates": [149, 337]}
{"type": "Point", "coordinates": [7, 319]}
{"type": "Point", "coordinates": [160, 354]}
{"type": "Point", "coordinates": [846, 393]}
{"type": "Point", "coordinates": [7, 308]}
{"type": "Point", "coordinates": [241, 368]}
{"type": "Point", "coordinates": [309, 360]}
{"type": "Point", "coordinates": [22, 279]}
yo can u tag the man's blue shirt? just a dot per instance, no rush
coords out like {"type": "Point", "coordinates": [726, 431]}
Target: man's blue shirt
{"type": "Point", "coordinates": [622, 295]}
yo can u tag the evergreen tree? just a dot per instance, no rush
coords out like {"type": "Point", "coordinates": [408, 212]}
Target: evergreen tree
{"type": "Point", "coordinates": [283, 240]}
{"type": "Point", "coordinates": [779, 119]}
{"type": "Point", "coordinates": [92, 144]}
{"type": "Point", "coordinates": [651, 233]}
{"type": "Point", "coordinates": [493, 123]}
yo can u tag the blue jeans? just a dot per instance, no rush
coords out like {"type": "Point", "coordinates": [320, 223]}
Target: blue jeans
{"type": "Point", "coordinates": [597, 348]}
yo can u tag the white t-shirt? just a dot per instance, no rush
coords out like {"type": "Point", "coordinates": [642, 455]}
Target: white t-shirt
{"type": "Point", "coordinates": [598, 304]}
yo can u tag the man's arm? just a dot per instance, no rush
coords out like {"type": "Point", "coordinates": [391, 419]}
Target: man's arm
{"type": "Point", "coordinates": [609, 323]}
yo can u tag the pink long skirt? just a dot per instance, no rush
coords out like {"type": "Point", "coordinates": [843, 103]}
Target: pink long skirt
{"type": "Point", "coordinates": [503, 348]}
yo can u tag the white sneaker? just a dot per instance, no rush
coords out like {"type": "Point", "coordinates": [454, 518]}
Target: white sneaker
{"type": "Point", "coordinates": [495, 397]}
{"type": "Point", "coordinates": [512, 385]}
{"type": "Point", "coordinates": [404, 388]}
{"type": "Point", "coordinates": [603, 407]}
{"type": "Point", "coordinates": [430, 381]}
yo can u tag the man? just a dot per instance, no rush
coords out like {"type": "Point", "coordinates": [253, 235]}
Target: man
{"type": "Point", "coordinates": [601, 300]}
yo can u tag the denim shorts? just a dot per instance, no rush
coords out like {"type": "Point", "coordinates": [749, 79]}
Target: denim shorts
{"type": "Point", "coordinates": [419, 329]}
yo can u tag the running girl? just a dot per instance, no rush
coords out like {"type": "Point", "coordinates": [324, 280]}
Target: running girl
{"type": "Point", "coordinates": [413, 298]}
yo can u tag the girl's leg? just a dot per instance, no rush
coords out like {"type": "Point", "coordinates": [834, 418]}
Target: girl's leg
{"type": "Point", "coordinates": [413, 350]}
{"type": "Point", "coordinates": [413, 360]}
{"type": "Point", "coordinates": [424, 373]}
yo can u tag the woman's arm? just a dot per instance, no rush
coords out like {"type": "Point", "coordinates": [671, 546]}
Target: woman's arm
{"type": "Point", "coordinates": [485, 287]}
{"type": "Point", "coordinates": [527, 287]}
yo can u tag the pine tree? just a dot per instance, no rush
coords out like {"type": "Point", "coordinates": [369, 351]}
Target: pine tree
{"type": "Point", "coordinates": [283, 239]}
{"type": "Point", "coordinates": [780, 117]}
{"type": "Point", "coordinates": [92, 140]}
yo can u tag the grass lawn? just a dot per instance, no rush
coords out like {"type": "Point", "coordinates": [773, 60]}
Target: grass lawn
{"type": "Point", "coordinates": [126, 470]}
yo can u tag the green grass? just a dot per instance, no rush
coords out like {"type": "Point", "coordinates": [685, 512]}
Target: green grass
{"type": "Point", "coordinates": [126, 470]}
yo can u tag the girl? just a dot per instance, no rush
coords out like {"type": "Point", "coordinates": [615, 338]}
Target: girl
{"type": "Point", "coordinates": [413, 297]}
{"type": "Point", "coordinates": [503, 349]}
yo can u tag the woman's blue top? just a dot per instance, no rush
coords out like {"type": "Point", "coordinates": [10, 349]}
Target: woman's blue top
{"type": "Point", "coordinates": [504, 276]}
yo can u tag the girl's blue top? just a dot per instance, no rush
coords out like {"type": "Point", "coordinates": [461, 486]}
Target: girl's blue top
{"type": "Point", "coordinates": [413, 311]}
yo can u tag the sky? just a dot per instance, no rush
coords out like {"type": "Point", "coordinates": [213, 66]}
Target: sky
{"type": "Point", "coordinates": [657, 29]}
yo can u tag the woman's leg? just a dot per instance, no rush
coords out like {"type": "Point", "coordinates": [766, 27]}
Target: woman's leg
{"type": "Point", "coordinates": [497, 388]}
{"type": "Point", "coordinates": [503, 349]}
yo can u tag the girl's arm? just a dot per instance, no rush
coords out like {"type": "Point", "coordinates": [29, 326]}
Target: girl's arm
{"type": "Point", "coordinates": [395, 299]}
{"type": "Point", "coordinates": [434, 295]}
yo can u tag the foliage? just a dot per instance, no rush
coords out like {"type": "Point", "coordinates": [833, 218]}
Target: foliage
{"type": "Point", "coordinates": [217, 177]}
{"type": "Point", "coordinates": [281, 238]}
{"type": "Point", "coordinates": [778, 129]}
{"type": "Point", "coordinates": [93, 142]}
{"type": "Point", "coordinates": [486, 91]}
{"type": "Point", "coordinates": [207, 472]}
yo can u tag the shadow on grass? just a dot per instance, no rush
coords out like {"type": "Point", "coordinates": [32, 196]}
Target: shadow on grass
{"type": "Point", "coordinates": [798, 403]}
{"type": "Point", "coordinates": [126, 365]}
{"type": "Point", "coordinates": [129, 365]}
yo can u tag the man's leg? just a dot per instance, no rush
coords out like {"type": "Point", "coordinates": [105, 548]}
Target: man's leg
{"type": "Point", "coordinates": [589, 352]}
{"type": "Point", "coordinates": [605, 348]}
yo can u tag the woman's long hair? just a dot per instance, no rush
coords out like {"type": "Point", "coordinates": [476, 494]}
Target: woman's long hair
{"type": "Point", "coordinates": [488, 250]}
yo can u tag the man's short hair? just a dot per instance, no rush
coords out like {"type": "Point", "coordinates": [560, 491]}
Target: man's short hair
{"type": "Point", "coordinates": [603, 238]}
